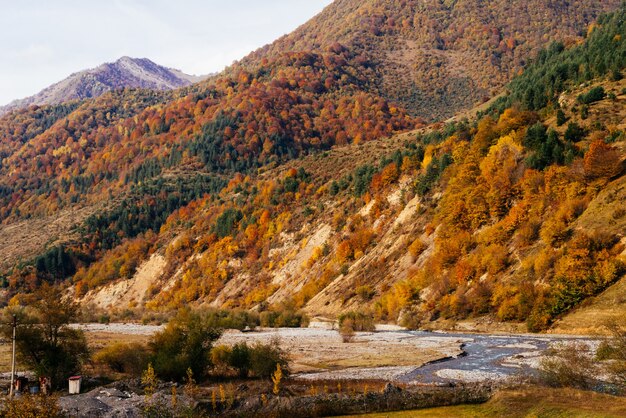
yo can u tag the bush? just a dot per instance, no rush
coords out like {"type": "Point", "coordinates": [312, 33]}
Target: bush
{"type": "Point", "coordinates": [288, 318]}
{"type": "Point", "coordinates": [359, 321]}
{"type": "Point", "coordinates": [614, 350]}
{"type": "Point", "coordinates": [265, 357]}
{"type": "Point", "coordinates": [185, 343]}
{"type": "Point", "coordinates": [231, 319]}
{"type": "Point", "coordinates": [346, 330]}
{"type": "Point", "coordinates": [594, 95]}
{"type": "Point", "coordinates": [569, 365]}
{"type": "Point", "coordinates": [129, 358]}
{"type": "Point", "coordinates": [39, 406]}
{"type": "Point", "coordinates": [258, 360]}
{"type": "Point", "coordinates": [239, 359]}
{"type": "Point", "coordinates": [365, 292]}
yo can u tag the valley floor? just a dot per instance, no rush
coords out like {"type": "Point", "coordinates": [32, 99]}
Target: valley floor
{"type": "Point", "coordinates": [409, 357]}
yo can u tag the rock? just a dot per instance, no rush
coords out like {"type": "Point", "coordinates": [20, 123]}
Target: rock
{"type": "Point", "coordinates": [114, 393]}
{"type": "Point", "coordinates": [84, 405]}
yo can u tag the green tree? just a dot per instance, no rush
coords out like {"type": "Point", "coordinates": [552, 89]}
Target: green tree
{"type": "Point", "coordinates": [560, 118]}
{"type": "Point", "coordinates": [45, 342]}
{"type": "Point", "coordinates": [185, 343]}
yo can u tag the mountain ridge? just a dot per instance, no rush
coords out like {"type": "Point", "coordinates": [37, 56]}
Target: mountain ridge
{"type": "Point", "coordinates": [93, 82]}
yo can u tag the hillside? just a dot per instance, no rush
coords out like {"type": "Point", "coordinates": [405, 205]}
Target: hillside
{"type": "Point", "coordinates": [292, 182]}
{"type": "Point", "coordinates": [514, 216]}
{"type": "Point", "coordinates": [125, 72]}
{"type": "Point", "coordinates": [435, 58]}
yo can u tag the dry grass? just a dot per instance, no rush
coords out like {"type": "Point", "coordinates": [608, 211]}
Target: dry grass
{"type": "Point", "coordinates": [5, 356]}
{"type": "Point", "coordinates": [528, 402]}
{"type": "Point", "coordinates": [609, 306]}
{"type": "Point", "coordinates": [99, 340]}
{"type": "Point", "coordinates": [606, 212]}
{"type": "Point", "coordinates": [22, 239]}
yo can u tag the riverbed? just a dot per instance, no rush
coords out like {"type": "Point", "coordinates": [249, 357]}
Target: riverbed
{"type": "Point", "coordinates": [412, 357]}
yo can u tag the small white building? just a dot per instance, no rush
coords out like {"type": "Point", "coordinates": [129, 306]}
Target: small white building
{"type": "Point", "coordinates": [74, 383]}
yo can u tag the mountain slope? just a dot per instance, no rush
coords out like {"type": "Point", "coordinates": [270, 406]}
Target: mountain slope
{"type": "Point", "coordinates": [125, 72]}
{"type": "Point", "coordinates": [515, 216]}
{"type": "Point", "coordinates": [435, 58]}
{"type": "Point", "coordinates": [284, 181]}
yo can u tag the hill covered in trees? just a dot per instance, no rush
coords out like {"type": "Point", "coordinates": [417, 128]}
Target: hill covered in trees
{"type": "Point", "coordinates": [273, 184]}
{"type": "Point", "coordinates": [437, 57]}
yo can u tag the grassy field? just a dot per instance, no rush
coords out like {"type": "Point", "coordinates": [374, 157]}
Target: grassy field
{"type": "Point", "coordinates": [527, 402]}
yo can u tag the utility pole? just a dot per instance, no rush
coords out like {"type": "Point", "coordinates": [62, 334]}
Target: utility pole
{"type": "Point", "coordinates": [11, 389]}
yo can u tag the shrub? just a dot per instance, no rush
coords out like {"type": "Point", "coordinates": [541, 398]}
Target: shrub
{"type": "Point", "coordinates": [265, 357]}
{"type": "Point", "coordinates": [359, 321]}
{"type": "Point", "coordinates": [614, 350]}
{"type": "Point", "coordinates": [569, 365]}
{"type": "Point", "coordinates": [129, 358]}
{"type": "Point", "coordinates": [594, 95]}
{"type": "Point", "coordinates": [365, 292]}
{"type": "Point", "coordinates": [239, 358]}
{"type": "Point", "coordinates": [39, 406]}
{"type": "Point", "coordinates": [220, 357]}
{"type": "Point", "coordinates": [185, 343]}
{"type": "Point", "coordinates": [287, 318]}
{"type": "Point", "coordinates": [417, 247]}
{"type": "Point", "coordinates": [346, 330]}
{"type": "Point", "coordinates": [259, 359]}
{"type": "Point", "coordinates": [231, 319]}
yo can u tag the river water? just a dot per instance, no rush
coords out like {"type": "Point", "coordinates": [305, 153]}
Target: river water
{"type": "Point", "coordinates": [489, 357]}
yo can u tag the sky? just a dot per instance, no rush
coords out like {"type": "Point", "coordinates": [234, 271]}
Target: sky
{"type": "Point", "coordinates": [44, 41]}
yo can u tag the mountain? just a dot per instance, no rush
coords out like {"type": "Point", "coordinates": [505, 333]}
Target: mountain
{"type": "Point", "coordinates": [515, 217]}
{"type": "Point", "coordinates": [435, 57]}
{"type": "Point", "coordinates": [125, 72]}
{"type": "Point", "coordinates": [295, 179]}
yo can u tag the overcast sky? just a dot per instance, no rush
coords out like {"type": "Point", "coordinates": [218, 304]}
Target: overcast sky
{"type": "Point", "coordinates": [44, 41]}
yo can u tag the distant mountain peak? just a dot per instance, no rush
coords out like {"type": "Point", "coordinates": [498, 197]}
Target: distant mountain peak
{"type": "Point", "coordinates": [125, 72]}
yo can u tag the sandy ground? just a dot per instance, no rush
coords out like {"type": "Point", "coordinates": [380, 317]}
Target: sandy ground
{"type": "Point", "coordinates": [122, 329]}
{"type": "Point", "coordinates": [318, 349]}
{"type": "Point", "coordinates": [323, 350]}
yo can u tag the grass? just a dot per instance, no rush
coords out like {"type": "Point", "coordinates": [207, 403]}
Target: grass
{"type": "Point", "coordinates": [530, 401]}
{"type": "Point", "coordinates": [5, 357]}
{"type": "Point", "coordinates": [99, 340]}
{"type": "Point", "coordinates": [607, 307]}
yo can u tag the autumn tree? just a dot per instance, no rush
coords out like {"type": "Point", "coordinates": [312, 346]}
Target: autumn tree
{"type": "Point", "coordinates": [602, 161]}
{"type": "Point", "coordinates": [45, 341]}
